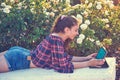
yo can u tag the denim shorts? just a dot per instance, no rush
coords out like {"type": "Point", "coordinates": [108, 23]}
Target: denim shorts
{"type": "Point", "coordinates": [16, 58]}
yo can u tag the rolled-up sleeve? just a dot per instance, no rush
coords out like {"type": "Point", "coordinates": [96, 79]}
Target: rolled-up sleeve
{"type": "Point", "coordinates": [69, 57]}
{"type": "Point", "coordinates": [66, 66]}
{"type": "Point", "coordinates": [61, 60]}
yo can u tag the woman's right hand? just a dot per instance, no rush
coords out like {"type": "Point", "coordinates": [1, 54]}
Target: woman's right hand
{"type": "Point", "coordinates": [96, 62]}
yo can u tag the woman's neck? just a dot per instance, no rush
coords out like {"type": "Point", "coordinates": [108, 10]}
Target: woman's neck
{"type": "Point", "coordinates": [61, 35]}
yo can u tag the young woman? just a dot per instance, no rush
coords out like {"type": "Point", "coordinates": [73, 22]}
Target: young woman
{"type": "Point", "coordinates": [51, 52]}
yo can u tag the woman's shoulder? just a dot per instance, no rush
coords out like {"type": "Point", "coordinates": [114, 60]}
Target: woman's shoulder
{"type": "Point", "coordinates": [54, 39]}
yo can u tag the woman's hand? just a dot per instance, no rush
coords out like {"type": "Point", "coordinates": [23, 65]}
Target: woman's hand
{"type": "Point", "coordinates": [96, 62]}
{"type": "Point", "coordinates": [93, 55]}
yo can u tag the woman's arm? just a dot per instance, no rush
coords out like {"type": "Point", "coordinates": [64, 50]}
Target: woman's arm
{"type": "Point", "coordinates": [80, 59]}
{"type": "Point", "coordinates": [92, 62]}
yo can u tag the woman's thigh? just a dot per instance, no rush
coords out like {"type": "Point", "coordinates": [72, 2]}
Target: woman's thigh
{"type": "Point", "coordinates": [3, 64]}
{"type": "Point", "coordinates": [2, 53]}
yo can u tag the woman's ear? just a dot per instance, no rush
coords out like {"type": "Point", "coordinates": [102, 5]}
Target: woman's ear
{"type": "Point", "coordinates": [66, 30]}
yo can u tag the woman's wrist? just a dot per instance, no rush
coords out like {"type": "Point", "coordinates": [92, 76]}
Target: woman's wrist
{"type": "Point", "coordinates": [88, 57]}
{"type": "Point", "coordinates": [88, 63]}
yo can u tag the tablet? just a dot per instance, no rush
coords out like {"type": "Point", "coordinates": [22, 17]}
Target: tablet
{"type": "Point", "coordinates": [101, 55]}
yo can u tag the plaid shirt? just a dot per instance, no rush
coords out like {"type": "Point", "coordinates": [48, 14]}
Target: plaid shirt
{"type": "Point", "coordinates": [50, 54]}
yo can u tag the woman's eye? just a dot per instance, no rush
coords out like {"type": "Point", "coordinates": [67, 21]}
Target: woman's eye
{"type": "Point", "coordinates": [76, 30]}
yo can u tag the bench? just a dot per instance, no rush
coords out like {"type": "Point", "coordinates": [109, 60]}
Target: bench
{"type": "Point", "coordinates": [79, 74]}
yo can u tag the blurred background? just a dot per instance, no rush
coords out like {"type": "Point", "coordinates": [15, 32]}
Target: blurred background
{"type": "Point", "coordinates": [27, 22]}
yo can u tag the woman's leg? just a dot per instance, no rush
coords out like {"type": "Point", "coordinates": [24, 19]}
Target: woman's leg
{"type": "Point", "coordinates": [3, 63]}
{"type": "Point", "coordinates": [2, 53]}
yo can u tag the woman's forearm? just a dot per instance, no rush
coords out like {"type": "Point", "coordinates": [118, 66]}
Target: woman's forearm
{"type": "Point", "coordinates": [78, 65]}
{"type": "Point", "coordinates": [92, 62]}
{"type": "Point", "coordinates": [80, 59]}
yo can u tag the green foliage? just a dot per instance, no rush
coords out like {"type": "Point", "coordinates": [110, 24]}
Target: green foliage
{"type": "Point", "coordinates": [103, 27]}
{"type": "Point", "coordinates": [20, 26]}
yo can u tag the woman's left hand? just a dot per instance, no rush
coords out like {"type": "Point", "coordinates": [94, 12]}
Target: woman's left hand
{"type": "Point", "coordinates": [93, 55]}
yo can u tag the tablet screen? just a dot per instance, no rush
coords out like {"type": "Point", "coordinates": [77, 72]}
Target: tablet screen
{"type": "Point", "coordinates": [101, 53]}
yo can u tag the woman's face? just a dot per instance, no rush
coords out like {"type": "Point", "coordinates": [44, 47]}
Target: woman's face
{"type": "Point", "coordinates": [73, 32]}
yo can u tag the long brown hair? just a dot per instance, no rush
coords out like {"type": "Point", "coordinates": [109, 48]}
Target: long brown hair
{"type": "Point", "coordinates": [61, 23]}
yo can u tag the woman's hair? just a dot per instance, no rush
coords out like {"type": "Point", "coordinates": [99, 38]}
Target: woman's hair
{"type": "Point", "coordinates": [61, 23]}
